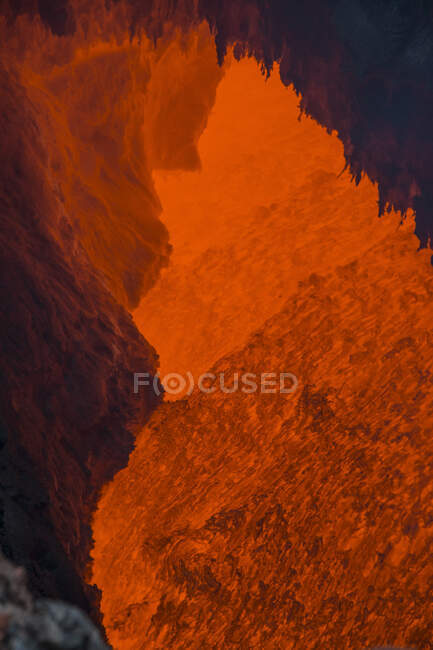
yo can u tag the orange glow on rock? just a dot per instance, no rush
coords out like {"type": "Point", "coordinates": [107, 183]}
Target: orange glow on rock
{"type": "Point", "coordinates": [117, 109]}
{"type": "Point", "coordinates": [275, 521]}
{"type": "Point", "coordinates": [160, 208]}
{"type": "Point", "coordinates": [268, 206]}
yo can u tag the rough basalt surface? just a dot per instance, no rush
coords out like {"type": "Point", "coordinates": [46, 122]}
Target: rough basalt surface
{"type": "Point", "coordinates": [80, 240]}
{"type": "Point", "coordinates": [68, 354]}
{"type": "Point", "coordinates": [37, 624]}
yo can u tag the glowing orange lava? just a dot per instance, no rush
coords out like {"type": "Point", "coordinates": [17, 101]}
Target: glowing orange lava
{"type": "Point", "coordinates": [237, 517]}
{"type": "Point", "coordinates": [268, 207]}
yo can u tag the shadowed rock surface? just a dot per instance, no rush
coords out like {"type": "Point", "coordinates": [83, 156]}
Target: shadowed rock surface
{"type": "Point", "coordinates": [71, 207]}
{"type": "Point", "coordinates": [68, 352]}
{"type": "Point", "coordinates": [29, 624]}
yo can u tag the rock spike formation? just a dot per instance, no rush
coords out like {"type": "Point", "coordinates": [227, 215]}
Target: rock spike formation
{"type": "Point", "coordinates": [361, 69]}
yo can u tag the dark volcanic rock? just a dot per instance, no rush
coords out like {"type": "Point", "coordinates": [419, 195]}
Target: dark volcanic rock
{"type": "Point", "coordinates": [27, 624]}
{"type": "Point", "coordinates": [68, 354]}
{"type": "Point", "coordinates": [363, 69]}
{"type": "Point", "coordinates": [79, 239]}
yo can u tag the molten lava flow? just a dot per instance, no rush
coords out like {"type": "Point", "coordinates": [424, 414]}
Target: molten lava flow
{"type": "Point", "coordinates": [266, 208]}
{"type": "Point", "coordinates": [272, 520]}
